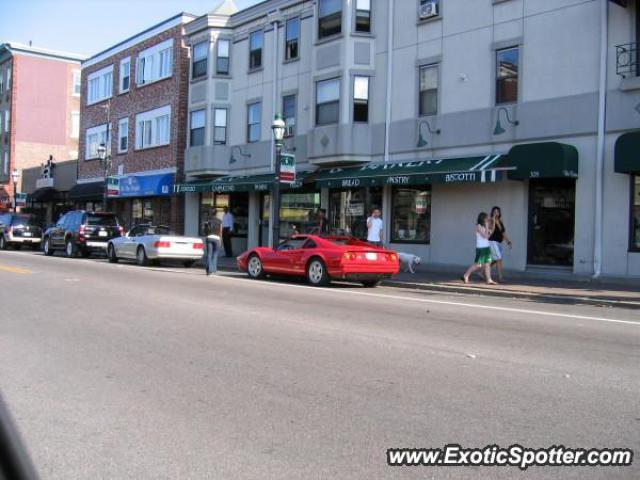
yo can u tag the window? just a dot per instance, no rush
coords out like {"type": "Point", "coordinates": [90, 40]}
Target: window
{"type": "Point", "coordinates": [255, 50]}
{"type": "Point", "coordinates": [428, 90]}
{"type": "Point", "coordinates": [360, 99]}
{"type": "Point", "coordinates": [329, 18]}
{"type": "Point", "coordinates": [507, 75]}
{"type": "Point", "coordinates": [7, 120]}
{"type": "Point", "coordinates": [100, 85]}
{"type": "Point", "coordinates": [363, 16]}
{"type": "Point", "coordinates": [298, 213]}
{"type": "Point", "coordinates": [254, 112]}
{"type": "Point", "coordinates": [328, 102]}
{"type": "Point", "coordinates": [237, 203]}
{"type": "Point", "coordinates": [222, 57]}
{"type": "Point", "coordinates": [200, 53]}
{"type": "Point", "coordinates": [429, 9]}
{"type": "Point", "coordinates": [5, 168]}
{"type": "Point", "coordinates": [197, 128]}
{"type": "Point", "coordinates": [75, 125]}
{"type": "Point", "coordinates": [95, 136]}
{"type": "Point", "coordinates": [153, 128]}
{"type": "Point", "coordinates": [123, 135]}
{"type": "Point", "coordinates": [289, 114]}
{"type": "Point", "coordinates": [349, 210]}
{"type": "Point", "coordinates": [125, 74]}
{"type": "Point", "coordinates": [9, 78]}
{"type": "Point", "coordinates": [1, 80]}
{"type": "Point", "coordinates": [219, 126]}
{"type": "Point", "coordinates": [155, 63]}
{"type": "Point", "coordinates": [635, 213]}
{"type": "Point", "coordinates": [76, 83]}
{"type": "Point", "coordinates": [292, 37]}
{"type": "Point", "coordinates": [411, 214]}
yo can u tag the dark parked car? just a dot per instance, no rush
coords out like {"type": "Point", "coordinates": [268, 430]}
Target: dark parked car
{"type": "Point", "coordinates": [81, 232]}
{"type": "Point", "coordinates": [18, 229]}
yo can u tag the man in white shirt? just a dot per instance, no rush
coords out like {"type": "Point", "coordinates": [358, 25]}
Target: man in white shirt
{"type": "Point", "coordinates": [227, 230]}
{"type": "Point", "coordinates": [375, 232]}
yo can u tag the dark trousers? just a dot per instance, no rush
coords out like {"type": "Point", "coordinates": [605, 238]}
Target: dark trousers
{"type": "Point", "coordinates": [226, 241]}
{"type": "Point", "coordinates": [212, 256]}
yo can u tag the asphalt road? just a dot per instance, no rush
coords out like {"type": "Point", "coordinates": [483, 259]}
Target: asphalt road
{"type": "Point", "coordinates": [117, 371]}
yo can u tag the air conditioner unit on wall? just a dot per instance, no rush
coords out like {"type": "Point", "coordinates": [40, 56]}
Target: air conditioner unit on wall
{"type": "Point", "coordinates": [428, 10]}
{"type": "Point", "coordinates": [290, 131]}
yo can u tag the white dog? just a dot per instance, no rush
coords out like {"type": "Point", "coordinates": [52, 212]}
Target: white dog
{"type": "Point", "coordinates": [408, 261]}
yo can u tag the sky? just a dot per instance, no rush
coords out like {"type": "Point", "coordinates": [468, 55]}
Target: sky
{"type": "Point", "coordinates": [90, 26]}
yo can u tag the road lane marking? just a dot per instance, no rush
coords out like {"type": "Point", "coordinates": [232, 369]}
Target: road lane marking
{"type": "Point", "coordinates": [443, 302]}
{"type": "Point", "coordinates": [20, 271]}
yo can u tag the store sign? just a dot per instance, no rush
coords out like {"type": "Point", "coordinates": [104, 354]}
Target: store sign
{"type": "Point", "coordinates": [144, 185]}
{"type": "Point", "coordinates": [21, 199]}
{"type": "Point", "coordinates": [287, 168]}
{"type": "Point", "coordinates": [44, 183]}
{"type": "Point", "coordinates": [113, 187]}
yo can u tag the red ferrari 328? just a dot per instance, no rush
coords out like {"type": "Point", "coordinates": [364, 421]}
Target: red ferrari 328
{"type": "Point", "coordinates": [322, 259]}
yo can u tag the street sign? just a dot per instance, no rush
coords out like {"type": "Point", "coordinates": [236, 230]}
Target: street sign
{"type": "Point", "coordinates": [21, 199]}
{"type": "Point", "coordinates": [113, 186]}
{"type": "Point", "coordinates": [287, 168]}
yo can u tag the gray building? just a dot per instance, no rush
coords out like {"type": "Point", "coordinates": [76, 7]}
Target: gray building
{"type": "Point", "coordinates": [432, 110]}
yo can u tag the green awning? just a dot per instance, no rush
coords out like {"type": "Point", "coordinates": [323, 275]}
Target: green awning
{"type": "Point", "coordinates": [252, 183]}
{"type": "Point", "coordinates": [627, 153]}
{"type": "Point", "coordinates": [542, 160]}
{"type": "Point", "coordinates": [450, 170]}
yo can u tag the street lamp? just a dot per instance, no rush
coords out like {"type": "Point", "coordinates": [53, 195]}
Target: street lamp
{"type": "Point", "coordinates": [105, 162]}
{"type": "Point", "coordinates": [14, 178]}
{"type": "Point", "coordinates": [278, 128]}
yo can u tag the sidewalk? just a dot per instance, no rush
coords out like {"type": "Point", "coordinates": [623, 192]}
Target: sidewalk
{"type": "Point", "coordinates": [542, 286]}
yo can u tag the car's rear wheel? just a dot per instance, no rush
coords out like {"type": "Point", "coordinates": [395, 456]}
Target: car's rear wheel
{"type": "Point", "coordinates": [70, 248]}
{"type": "Point", "coordinates": [3, 243]}
{"type": "Point", "coordinates": [141, 257]}
{"type": "Point", "coordinates": [46, 247]}
{"type": "Point", "coordinates": [254, 267]}
{"type": "Point", "coordinates": [188, 263]}
{"type": "Point", "coordinates": [317, 273]}
{"type": "Point", "coordinates": [111, 254]}
{"type": "Point", "coordinates": [371, 283]}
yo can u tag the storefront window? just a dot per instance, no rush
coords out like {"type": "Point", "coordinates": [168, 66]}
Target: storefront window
{"type": "Point", "coordinates": [238, 204]}
{"type": "Point", "coordinates": [349, 209]}
{"type": "Point", "coordinates": [635, 214]}
{"type": "Point", "coordinates": [411, 215]}
{"type": "Point", "coordinates": [298, 213]}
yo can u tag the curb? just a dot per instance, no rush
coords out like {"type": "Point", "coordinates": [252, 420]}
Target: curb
{"type": "Point", "coordinates": [568, 299]}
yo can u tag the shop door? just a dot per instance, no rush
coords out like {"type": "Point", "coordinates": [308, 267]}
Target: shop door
{"type": "Point", "coordinates": [551, 222]}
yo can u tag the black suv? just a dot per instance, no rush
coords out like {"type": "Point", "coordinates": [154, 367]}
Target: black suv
{"type": "Point", "coordinates": [18, 229]}
{"type": "Point", "coordinates": [81, 232]}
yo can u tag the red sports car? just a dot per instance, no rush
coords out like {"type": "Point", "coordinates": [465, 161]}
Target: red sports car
{"type": "Point", "coordinates": [322, 259]}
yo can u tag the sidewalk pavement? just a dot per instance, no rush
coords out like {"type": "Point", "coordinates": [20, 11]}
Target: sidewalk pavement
{"type": "Point", "coordinates": [543, 286]}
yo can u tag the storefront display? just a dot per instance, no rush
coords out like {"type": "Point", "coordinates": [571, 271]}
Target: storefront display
{"type": "Point", "coordinates": [298, 213]}
{"type": "Point", "coordinates": [411, 214]}
{"type": "Point", "coordinates": [237, 203]}
{"type": "Point", "coordinates": [349, 209]}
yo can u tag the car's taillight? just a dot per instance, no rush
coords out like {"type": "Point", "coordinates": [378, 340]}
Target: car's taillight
{"type": "Point", "coordinates": [162, 244]}
{"type": "Point", "coordinates": [349, 256]}
{"type": "Point", "coordinates": [198, 246]}
{"type": "Point", "coordinates": [393, 257]}
{"type": "Point", "coordinates": [81, 231]}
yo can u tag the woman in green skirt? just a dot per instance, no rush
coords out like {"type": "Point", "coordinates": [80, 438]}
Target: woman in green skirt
{"type": "Point", "coordinates": [483, 250]}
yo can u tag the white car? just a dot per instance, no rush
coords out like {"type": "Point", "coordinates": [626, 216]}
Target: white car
{"type": "Point", "coordinates": [146, 243]}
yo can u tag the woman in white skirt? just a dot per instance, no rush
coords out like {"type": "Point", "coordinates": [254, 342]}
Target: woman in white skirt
{"type": "Point", "coordinates": [496, 239]}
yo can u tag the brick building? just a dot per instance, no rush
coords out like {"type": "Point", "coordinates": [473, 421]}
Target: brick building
{"type": "Point", "coordinates": [39, 109]}
{"type": "Point", "coordinates": [139, 88]}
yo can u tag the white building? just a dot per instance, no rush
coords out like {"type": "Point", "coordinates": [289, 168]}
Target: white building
{"type": "Point", "coordinates": [483, 103]}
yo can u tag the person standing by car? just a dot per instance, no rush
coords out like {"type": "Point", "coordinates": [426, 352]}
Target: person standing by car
{"type": "Point", "coordinates": [227, 230]}
{"type": "Point", "coordinates": [495, 240]}
{"type": "Point", "coordinates": [323, 222]}
{"type": "Point", "coordinates": [212, 242]}
{"type": "Point", "coordinates": [375, 231]}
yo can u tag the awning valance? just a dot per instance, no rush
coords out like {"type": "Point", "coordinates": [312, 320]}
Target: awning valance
{"type": "Point", "coordinates": [451, 170]}
{"type": "Point", "coordinates": [627, 153]}
{"type": "Point", "coordinates": [47, 194]}
{"type": "Point", "coordinates": [542, 160]}
{"type": "Point", "coordinates": [86, 191]}
{"type": "Point", "coordinates": [252, 183]}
